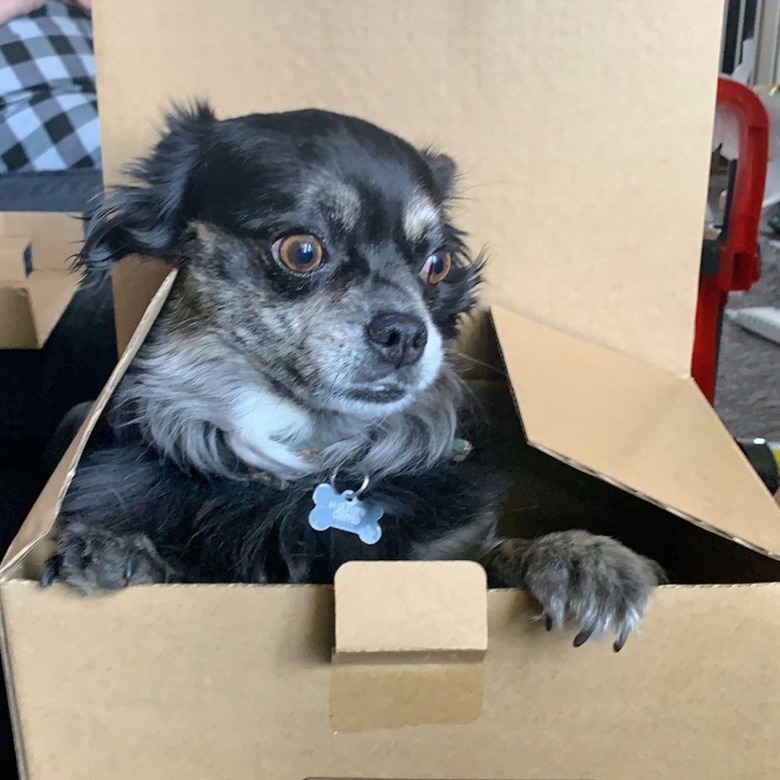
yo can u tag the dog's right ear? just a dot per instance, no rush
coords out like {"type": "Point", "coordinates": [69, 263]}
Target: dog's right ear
{"type": "Point", "coordinates": [443, 170]}
{"type": "Point", "coordinates": [150, 217]}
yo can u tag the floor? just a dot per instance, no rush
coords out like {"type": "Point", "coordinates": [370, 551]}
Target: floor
{"type": "Point", "coordinates": [748, 388]}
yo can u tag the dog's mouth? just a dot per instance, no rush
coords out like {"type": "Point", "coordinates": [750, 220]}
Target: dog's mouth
{"type": "Point", "coordinates": [377, 394]}
{"type": "Point", "coordinates": [368, 387]}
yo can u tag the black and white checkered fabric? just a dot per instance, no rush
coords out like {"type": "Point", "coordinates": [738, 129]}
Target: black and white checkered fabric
{"type": "Point", "coordinates": [48, 106]}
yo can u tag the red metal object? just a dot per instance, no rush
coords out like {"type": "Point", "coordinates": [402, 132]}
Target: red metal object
{"type": "Point", "coordinates": [732, 261]}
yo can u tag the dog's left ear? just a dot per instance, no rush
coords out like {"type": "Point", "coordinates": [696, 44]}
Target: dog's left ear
{"type": "Point", "coordinates": [443, 170]}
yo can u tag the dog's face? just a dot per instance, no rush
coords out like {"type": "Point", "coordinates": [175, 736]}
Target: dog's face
{"type": "Point", "coordinates": [317, 244]}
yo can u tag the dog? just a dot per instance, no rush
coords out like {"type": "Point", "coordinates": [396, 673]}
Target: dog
{"type": "Point", "coordinates": [304, 360]}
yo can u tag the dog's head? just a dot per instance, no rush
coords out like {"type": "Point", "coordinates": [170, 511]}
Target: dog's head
{"type": "Point", "coordinates": [316, 245]}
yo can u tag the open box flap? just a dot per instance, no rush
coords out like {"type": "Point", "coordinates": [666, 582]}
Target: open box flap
{"type": "Point", "coordinates": [583, 137]}
{"type": "Point", "coordinates": [41, 518]}
{"type": "Point", "coordinates": [636, 425]}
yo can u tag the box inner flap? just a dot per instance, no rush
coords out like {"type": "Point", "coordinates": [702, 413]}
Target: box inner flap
{"type": "Point", "coordinates": [12, 267]}
{"type": "Point", "coordinates": [427, 607]}
{"type": "Point", "coordinates": [30, 309]}
{"type": "Point", "coordinates": [573, 129]}
{"type": "Point", "coordinates": [643, 428]}
{"type": "Point", "coordinates": [17, 327]}
{"type": "Point", "coordinates": [50, 294]}
{"type": "Point", "coordinates": [41, 518]}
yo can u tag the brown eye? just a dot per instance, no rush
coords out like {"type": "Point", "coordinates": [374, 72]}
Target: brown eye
{"type": "Point", "coordinates": [436, 267]}
{"type": "Point", "coordinates": [302, 254]}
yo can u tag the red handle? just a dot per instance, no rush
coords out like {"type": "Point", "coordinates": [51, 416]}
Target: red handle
{"type": "Point", "coordinates": [738, 261]}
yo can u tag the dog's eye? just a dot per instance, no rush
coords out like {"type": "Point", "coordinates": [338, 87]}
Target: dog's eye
{"type": "Point", "coordinates": [302, 253]}
{"type": "Point", "coordinates": [436, 267]}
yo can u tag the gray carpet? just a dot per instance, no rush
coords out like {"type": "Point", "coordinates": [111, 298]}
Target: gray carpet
{"type": "Point", "coordinates": [747, 395]}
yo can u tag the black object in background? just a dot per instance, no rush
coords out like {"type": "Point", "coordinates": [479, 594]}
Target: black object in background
{"type": "Point", "coordinates": [761, 457]}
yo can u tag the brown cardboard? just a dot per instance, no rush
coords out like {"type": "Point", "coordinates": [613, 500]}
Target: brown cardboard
{"type": "Point", "coordinates": [639, 426]}
{"type": "Point", "coordinates": [12, 251]}
{"type": "Point", "coordinates": [235, 682]}
{"type": "Point", "coordinates": [574, 127]}
{"type": "Point", "coordinates": [32, 299]}
{"type": "Point", "coordinates": [416, 629]}
{"type": "Point", "coordinates": [428, 610]}
{"type": "Point", "coordinates": [17, 327]}
{"type": "Point", "coordinates": [29, 310]}
{"type": "Point", "coordinates": [55, 237]}
{"type": "Point", "coordinates": [540, 103]}
{"type": "Point", "coordinates": [398, 695]}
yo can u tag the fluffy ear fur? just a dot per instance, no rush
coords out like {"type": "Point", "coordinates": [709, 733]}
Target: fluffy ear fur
{"type": "Point", "coordinates": [148, 217]}
{"type": "Point", "coordinates": [443, 170]}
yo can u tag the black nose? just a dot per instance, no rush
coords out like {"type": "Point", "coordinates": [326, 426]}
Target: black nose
{"type": "Point", "coordinates": [397, 338]}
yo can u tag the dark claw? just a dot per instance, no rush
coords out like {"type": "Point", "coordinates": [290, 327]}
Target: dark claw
{"type": "Point", "coordinates": [582, 637]}
{"type": "Point", "coordinates": [51, 571]}
{"type": "Point", "coordinates": [548, 623]}
{"type": "Point", "coordinates": [130, 567]}
{"type": "Point", "coordinates": [619, 643]}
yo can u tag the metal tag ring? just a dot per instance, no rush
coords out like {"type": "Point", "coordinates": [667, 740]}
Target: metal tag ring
{"type": "Point", "coordinates": [353, 493]}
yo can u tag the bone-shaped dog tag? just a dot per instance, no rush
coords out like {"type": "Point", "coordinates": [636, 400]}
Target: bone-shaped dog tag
{"type": "Point", "coordinates": [346, 512]}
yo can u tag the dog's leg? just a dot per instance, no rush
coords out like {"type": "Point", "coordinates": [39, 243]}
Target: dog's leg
{"type": "Point", "coordinates": [94, 559]}
{"type": "Point", "coordinates": [596, 580]}
{"type": "Point", "coordinates": [121, 520]}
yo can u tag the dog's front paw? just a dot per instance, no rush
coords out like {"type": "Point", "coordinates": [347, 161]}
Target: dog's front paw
{"type": "Point", "coordinates": [94, 560]}
{"type": "Point", "coordinates": [603, 585]}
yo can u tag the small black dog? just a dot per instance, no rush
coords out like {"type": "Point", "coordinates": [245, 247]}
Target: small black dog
{"type": "Point", "coordinates": [305, 348]}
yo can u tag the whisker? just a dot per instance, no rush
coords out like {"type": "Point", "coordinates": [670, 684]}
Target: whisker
{"type": "Point", "coordinates": [479, 363]}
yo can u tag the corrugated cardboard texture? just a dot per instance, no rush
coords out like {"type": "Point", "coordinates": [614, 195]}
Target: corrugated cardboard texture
{"type": "Point", "coordinates": [410, 609]}
{"type": "Point", "coordinates": [234, 682]}
{"type": "Point", "coordinates": [577, 127]}
{"type": "Point", "coordinates": [636, 425]}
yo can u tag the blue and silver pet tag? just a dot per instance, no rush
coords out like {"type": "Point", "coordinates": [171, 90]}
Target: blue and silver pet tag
{"type": "Point", "coordinates": [346, 512]}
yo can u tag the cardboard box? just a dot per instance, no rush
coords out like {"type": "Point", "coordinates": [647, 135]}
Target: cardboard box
{"type": "Point", "coordinates": [575, 125]}
{"type": "Point", "coordinates": [36, 284]}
